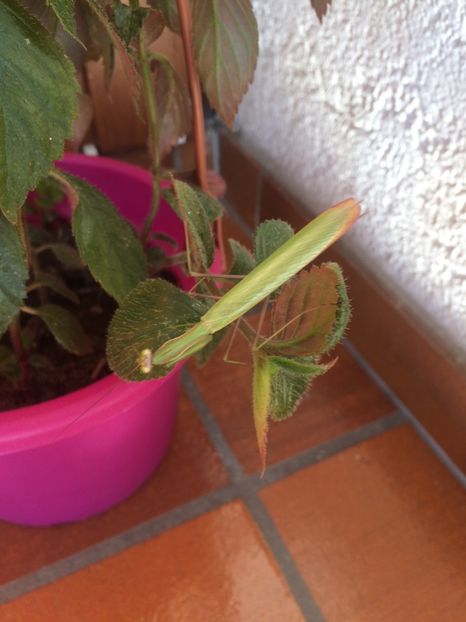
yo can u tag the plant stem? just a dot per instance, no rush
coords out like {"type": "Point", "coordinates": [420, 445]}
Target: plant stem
{"type": "Point", "coordinates": [18, 347]}
{"type": "Point", "coordinates": [151, 109]}
{"type": "Point", "coordinates": [184, 13]}
{"type": "Point", "coordinates": [23, 234]}
{"type": "Point", "coordinates": [31, 257]}
{"type": "Point", "coordinates": [185, 19]}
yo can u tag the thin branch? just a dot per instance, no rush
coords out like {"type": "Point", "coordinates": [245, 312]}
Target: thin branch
{"type": "Point", "coordinates": [185, 19]}
{"type": "Point", "coordinates": [19, 350]}
{"type": "Point", "coordinates": [226, 358]}
{"type": "Point", "coordinates": [184, 13]}
{"type": "Point", "coordinates": [152, 120]}
{"type": "Point", "coordinates": [32, 258]}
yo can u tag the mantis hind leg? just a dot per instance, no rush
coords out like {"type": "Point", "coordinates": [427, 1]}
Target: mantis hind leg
{"type": "Point", "coordinates": [234, 332]}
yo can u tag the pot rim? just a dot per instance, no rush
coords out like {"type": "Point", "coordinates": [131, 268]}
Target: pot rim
{"type": "Point", "coordinates": [54, 420]}
{"type": "Point", "coordinates": [105, 163]}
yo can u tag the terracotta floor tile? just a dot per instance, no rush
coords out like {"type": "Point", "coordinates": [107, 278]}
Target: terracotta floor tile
{"type": "Point", "coordinates": [215, 568]}
{"type": "Point", "coordinates": [338, 402]}
{"type": "Point", "coordinates": [190, 469]}
{"type": "Point", "coordinates": [378, 531]}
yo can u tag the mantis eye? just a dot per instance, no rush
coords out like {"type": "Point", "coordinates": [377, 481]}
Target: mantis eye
{"type": "Point", "coordinates": [145, 361]}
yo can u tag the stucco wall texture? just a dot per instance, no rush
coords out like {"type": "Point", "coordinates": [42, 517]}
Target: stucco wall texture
{"type": "Point", "coordinates": [372, 104]}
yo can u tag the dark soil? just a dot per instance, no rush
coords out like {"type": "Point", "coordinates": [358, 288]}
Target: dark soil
{"type": "Point", "coordinates": [53, 371]}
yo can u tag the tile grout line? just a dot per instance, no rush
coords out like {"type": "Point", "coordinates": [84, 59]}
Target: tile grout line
{"type": "Point", "coordinates": [259, 512]}
{"type": "Point", "coordinates": [229, 459]}
{"type": "Point", "coordinates": [422, 432]}
{"type": "Point", "coordinates": [330, 448]}
{"type": "Point", "coordinates": [117, 544]}
{"type": "Point", "coordinates": [283, 558]}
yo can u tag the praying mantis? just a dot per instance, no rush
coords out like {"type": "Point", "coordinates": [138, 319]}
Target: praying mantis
{"type": "Point", "coordinates": [268, 276]}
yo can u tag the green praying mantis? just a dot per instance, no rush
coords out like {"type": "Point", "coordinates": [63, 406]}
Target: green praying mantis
{"type": "Point", "coordinates": [268, 276]}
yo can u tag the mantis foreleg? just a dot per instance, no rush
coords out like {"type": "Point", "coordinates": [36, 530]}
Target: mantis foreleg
{"type": "Point", "coordinates": [234, 332]}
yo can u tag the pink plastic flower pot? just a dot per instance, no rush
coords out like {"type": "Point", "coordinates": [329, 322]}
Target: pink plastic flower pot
{"type": "Point", "coordinates": [75, 456]}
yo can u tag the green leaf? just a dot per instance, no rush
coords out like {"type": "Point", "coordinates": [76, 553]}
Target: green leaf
{"type": "Point", "coordinates": [261, 396]}
{"type": "Point", "coordinates": [304, 365]}
{"type": "Point", "coordinates": [169, 196]}
{"type": "Point", "coordinates": [279, 384]}
{"type": "Point", "coordinates": [64, 10]}
{"type": "Point", "coordinates": [343, 312]}
{"type": "Point", "coordinates": [9, 367]}
{"type": "Point", "coordinates": [169, 11]}
{"type": "Point", "coordinates": [99, 42]}
{"type": "Point", "coordinates": [56, 284]}
{"type": "Point", "coordinates": [156, 258]}
{"type": "Point", "coordinates": [128, 21]}
{"type": "Point", "coordinates": [191, 210]}
{"type": "Point", "coordinates": [225, 40]}
{"type": "Point", "coordinates": [290, 380]}
{"type": "Point", "coordinates": [43, 12]}
{"type": "Point", "coordinates": [37, 104]}
{"type": "Point", "coordinates": [164, 237]}
{"type": "Point", "coordinates": [304, 312]}
{"type": "Point", "coordinates": [129, 68]}
{"type": "Point", "coordinates": [66, 254]}
{"type": "Point", "coordinates": [287, 391]}
{"type": "Point", "coordinates": [153, 313]}
{"type": "Point", "coordinates": [65, 328]}
{"type": "Point", "coordinates": [269, 236]}
{"type": "Point", "coordinates": [105, 240]}
{"type": "Point", "coordinates": [172, 101]}
{"type": "Point", "coordinates": [48, 193]}
{"type": "Point", "coordinates": [212, 206]}
{"type": "Point", "coordinates": [243, 261]}
{"type": "Point", "coordinates": [13, 273]}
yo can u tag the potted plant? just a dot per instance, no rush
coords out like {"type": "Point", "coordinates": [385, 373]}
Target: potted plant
{"type": "Point", "coordinates": [67, 265]}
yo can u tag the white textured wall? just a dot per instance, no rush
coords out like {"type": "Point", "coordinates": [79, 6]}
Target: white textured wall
{"type": "Point", "coordinates": [373, 104]}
